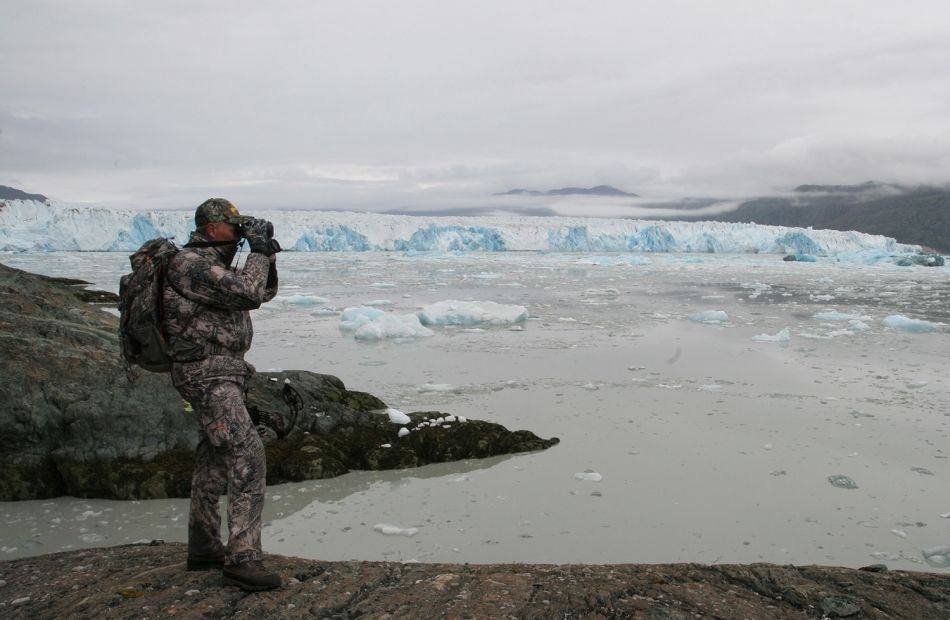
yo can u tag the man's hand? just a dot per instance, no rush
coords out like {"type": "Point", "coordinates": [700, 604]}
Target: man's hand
{"type": "Point", "coordinates": [260, 236]}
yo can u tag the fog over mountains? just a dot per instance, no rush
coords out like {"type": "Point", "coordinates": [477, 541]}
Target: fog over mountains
{"type": "Point", "coordinates": [918, 215]}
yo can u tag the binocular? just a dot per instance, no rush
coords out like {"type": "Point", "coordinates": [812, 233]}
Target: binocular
{"type": "Point", "coordinates": [243, 222]}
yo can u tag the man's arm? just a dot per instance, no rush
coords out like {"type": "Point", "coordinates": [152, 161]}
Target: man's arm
{"type": "Point", "coordinates": [214, 285]}
{"type": "Point", "coordinates": [270, 289]}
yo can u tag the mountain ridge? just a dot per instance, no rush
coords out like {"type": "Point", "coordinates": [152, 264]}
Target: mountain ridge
{"type": "Point", "coordinates": [598, 190]}
{"type": "Point", "coordinates": [12, 193]}
{"type": "Point", "coordinates": [915, 215]}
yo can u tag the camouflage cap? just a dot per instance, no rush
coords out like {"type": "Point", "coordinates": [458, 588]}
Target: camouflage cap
{"type": "Point", "coordinates": [215, 210]}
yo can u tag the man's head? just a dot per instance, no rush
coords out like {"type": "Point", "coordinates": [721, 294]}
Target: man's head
{"type": "Point", "coordinates": [218, 219]}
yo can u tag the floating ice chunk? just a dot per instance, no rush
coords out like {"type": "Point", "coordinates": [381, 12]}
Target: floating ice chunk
{"type": "Point", "coordinates": [397, 326]}
{"type": "Point", "coordinates": [378, 302]}
{"type": "Point", "coordinates": [782, 336]}
{"type": "Point", "coordinates": [402, 432]}
{"type": "Point", "coordinates": [468, 313]}
{"type": "Point", "coordinates": [922, 470]}
{"type": "Point", "coordinates": [835, 315]}
{"type": "Point", "coordinates": [387, 529]}
{"type": "Point", "coordinates": [858, 325]}
{"type": "Point", "coordinates": [386, 445]}
{"type": "Point", "coordinates": [383, 285]}
{"type": "Point", "coordinates": [899, 533]}
{"type": "Point", "coordinates": [938, 557]}
{"type": "Point", "coordinates": [840, 332]}
{"type": "Point", "coordinates": [301, 299]}
{"type": "Point", "coordinates": [590, 476]}
{"type": "Point", "coordinates": [325, 312]}
{"type": "Point", "coordinates": [609, 293]}
{"type": "Point", "coordinates": [757, 287]}
{"type": "Point", "coordinates": [437, 387]}
{"type": "Point", "coordinates": [709, 316]}
{"type": "Point", "coordinates": [355, 317]}
{"type": "Point", "coordinates": [396, 416]}
{"type": "Point", "coordinates": [611, 261]}
{"type": "Point", "coordinates": [914, 326]}
{"type": "Point", "coordinates": [842, 482]}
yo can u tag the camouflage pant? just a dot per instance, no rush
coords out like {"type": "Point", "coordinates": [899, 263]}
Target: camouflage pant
{"type": "Point", "coordinates": [230, 457]}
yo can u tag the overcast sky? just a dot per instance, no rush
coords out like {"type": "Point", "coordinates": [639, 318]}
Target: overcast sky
{"type": "Point", "coordinates": [387, 104]}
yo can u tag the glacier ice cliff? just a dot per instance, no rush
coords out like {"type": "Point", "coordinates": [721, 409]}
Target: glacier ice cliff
{"type": "Point", "coordinates": [31, 226]}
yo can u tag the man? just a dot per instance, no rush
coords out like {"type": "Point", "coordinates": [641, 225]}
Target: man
{"type": "Point", "coordinates": [208, 329]}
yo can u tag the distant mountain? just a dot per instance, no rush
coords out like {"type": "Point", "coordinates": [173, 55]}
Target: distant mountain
{"type": "Point", "coordinates": [600, 190]}
{"type": "Point", "coordinates": [846, 189]}
{"type": "Point", "coordinates": [11, 193]}
{"type": "Point", "coordinates": [918, 215]}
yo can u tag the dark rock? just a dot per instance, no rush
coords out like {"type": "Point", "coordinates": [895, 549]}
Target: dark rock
{"type": "Point", "coordinates": [928, 260]}
{"type": "Point", "coordinates": [918, 215]}
{"type": "Point", "coordinates": [135, 581]}
{"type": "Point", "coordinates": [801, 258]}
{"type": "Point", "coordinates": [12, 193]}
{"type": "Point", "coordinates": [75, 425]}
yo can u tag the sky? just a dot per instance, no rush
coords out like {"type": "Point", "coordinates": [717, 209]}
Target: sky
{"type": "Point", "coordinates": [418, 105]}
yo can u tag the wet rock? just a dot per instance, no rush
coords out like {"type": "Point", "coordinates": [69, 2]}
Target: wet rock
{"type": "Point", "coordinates": [842, 482]}
{"type": "Point", "coordinates": [75, 425]}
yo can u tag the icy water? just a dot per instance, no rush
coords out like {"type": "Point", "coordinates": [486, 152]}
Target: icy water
{"type": "Point", "coordinates": [698, 442]}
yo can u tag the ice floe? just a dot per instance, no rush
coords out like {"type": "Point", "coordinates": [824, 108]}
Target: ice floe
{"type": "Point", "coordinates": [783, 335]}
{"type": "Point", "coordinates": [904, 324]}
{"type": "Point", "coordinates": [709, 316]}
{"type": "Point", "coordinates": [387, 529]}
{"type": "Point", "coordinates": [371, 324]}
{"type": "Point", "coordinates": [469, 313]}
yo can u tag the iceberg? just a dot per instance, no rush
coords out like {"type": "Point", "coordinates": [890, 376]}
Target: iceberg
{"type": "Point", "coordinates": [835, 315]}
{"type": "Point", "coordinates": [914, 326]}
{"type": "Point", "coordinates": [469, 313]}
{"type": "Point", "coordinates": [33, 226]}
{"type": "Point", "coordinates": [709, 316]}
{"type": "Point", "coordinates": [371, 324]}
{"type": "Point", "coordinates": [782, 336]}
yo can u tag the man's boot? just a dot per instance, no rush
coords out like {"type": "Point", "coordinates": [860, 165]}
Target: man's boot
{"type": "Point", "coordinates": [205, 561]}
{"type": "Point", "coordinates": [251, 576]}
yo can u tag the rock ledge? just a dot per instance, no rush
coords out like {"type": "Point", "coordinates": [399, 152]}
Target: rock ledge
{"type": "Point", "coordinates": [149, 581]}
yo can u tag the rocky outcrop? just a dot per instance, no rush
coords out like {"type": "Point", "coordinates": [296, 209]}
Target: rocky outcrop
{"type": "Point", "coordinates": [75, 425]}
{"type": "Point", "coordinates": [149, 581]}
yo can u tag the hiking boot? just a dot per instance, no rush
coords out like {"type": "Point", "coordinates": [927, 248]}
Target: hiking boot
{"type": "Point", "coordinates": [251, 576]}
{"type": "Point", "coordinates": [205, 561]}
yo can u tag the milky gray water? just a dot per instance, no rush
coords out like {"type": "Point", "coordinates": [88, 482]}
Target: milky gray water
{"type": "Point", "coordinates": [714, 442]}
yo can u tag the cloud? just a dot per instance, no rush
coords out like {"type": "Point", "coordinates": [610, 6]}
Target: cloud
{"type": "Point", "coordinates": [375, 105]}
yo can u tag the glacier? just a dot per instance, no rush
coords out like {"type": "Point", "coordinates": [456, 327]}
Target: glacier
{"type": "Point", "coordinates": [32, 226]}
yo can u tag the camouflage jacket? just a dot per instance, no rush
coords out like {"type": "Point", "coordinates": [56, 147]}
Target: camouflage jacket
{"type": "Point", "coordinates": [207, 323]}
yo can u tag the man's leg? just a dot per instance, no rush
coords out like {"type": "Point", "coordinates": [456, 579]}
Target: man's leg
{"type": "Point", "coordinates": [208, 482]}
{"type": "Point", "coordinates": [247, 473]}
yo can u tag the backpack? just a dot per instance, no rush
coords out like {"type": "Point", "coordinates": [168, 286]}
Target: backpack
{"type": "Point", "coordinates": [141, 311]}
